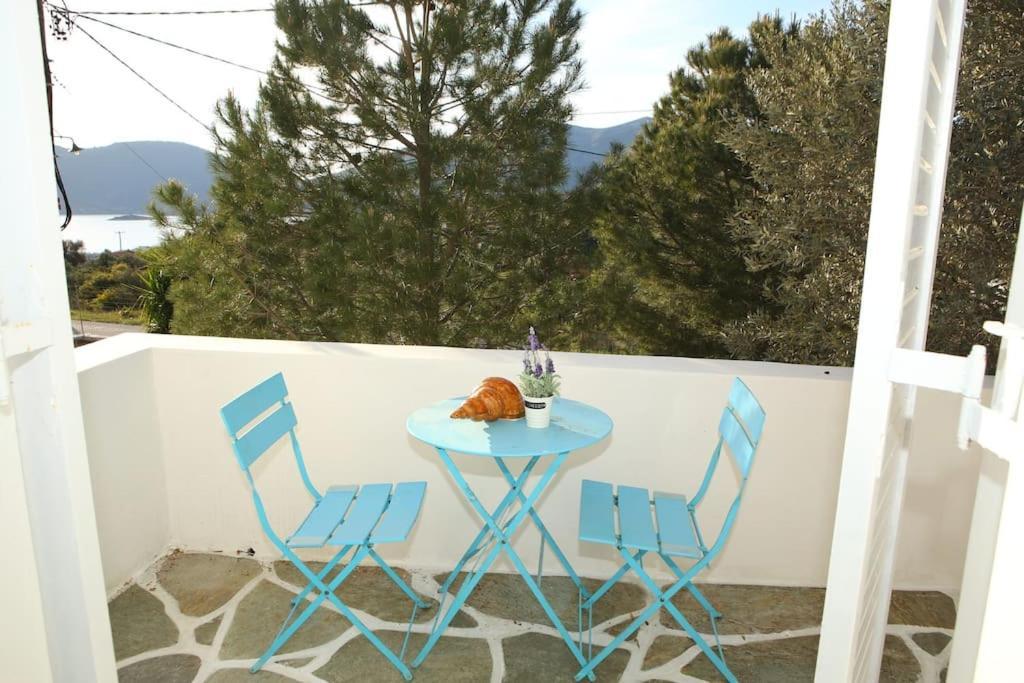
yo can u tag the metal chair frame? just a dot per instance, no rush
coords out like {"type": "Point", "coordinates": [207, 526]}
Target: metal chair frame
{"type": "Point", "coordinates": [345, 516]}
{"type": "Point", "coordinates": [740, 430]}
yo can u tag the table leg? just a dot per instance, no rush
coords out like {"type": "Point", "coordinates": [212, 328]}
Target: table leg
{"type": "Point", "coordinates": [474, 548]}
{"type": "Point", "coordinates": [545, 534]}
{"type": "Point", "coordinates": [503, 536]}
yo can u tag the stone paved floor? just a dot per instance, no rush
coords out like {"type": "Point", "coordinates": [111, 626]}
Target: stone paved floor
{"type": "Point", "coordinates": [201, 617]}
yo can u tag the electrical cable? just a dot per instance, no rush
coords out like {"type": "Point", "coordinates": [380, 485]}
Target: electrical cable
{"type": "Point", "coordinates": [586, 151]}
{"type": "Point", "coordinates": [198, 53]}
{"type": "Point", "coordinates": [149, 165]}
{"type": "Point", "coordinates": [170, 44]}
{"type": "Point", "coordinates": [164, 13]}
{"type": "Point", "coordinates": [144, 79]}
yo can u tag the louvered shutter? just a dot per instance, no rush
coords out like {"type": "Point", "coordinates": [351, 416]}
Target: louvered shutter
{"type": "Point", "coordinates": [906, 209]}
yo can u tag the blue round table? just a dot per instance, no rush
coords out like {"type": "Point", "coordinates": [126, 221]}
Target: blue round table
{"type": "Point", "coordinates": [574, 425]}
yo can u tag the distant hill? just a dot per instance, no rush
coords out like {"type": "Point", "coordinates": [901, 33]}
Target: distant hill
{"type": "Point", "coordinates": [114, 180]}
{"type": "Point", "coordinates": [597, 140]}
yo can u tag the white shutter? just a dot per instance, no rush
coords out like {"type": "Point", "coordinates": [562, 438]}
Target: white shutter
{"type": "Point", "coordinates": [991, 599]}
{"type": "Point", "coordinates": [906, 209]}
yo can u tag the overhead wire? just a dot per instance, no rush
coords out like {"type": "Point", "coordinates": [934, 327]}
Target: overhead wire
{"type": "Point", "coordinates": [88, 16]}
{"type": "Point", "coordinates": [143, 160]}
{"type": "Point", "coordinates": [198, 12]}
{"type": "Point", "coordinates": [144, 79]}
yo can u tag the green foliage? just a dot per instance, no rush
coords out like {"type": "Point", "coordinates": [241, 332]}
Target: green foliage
{"type": "Point", "coordinates": [413, 197]}
{"type": "Point", "coordinates": [154, 299]}
{"type": "Point", "coordinates": [671, 268]}
{"type": "Point", "coordinates": [539, 387]}
{"type": "Point", "coordinates": [812, 152]}
{"type": "Point", "coordinates": [103, 283]}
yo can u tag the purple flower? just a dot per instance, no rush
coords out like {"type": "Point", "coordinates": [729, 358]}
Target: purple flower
{"type": "Point", "coordinates": [549, 365]}
{"type": "Point", "coordinates": [526, 365]}
{"type": "Point", "coordinates": [532, 338]}
{"type": "Point", "coordinates": [538, 371]}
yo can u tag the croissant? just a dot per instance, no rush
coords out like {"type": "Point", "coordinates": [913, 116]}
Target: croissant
{"type": "Point", "coordinates": [495, 398]}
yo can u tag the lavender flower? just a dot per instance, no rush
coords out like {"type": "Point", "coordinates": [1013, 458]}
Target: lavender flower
{"type": "Point", "coordinates": [538, 378]}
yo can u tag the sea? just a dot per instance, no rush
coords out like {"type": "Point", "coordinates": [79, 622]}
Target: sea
{"type": "Point", "coordinates": [101, 232]}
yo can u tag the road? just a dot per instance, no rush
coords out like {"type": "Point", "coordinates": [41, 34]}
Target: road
{"type": "Point", "coordinates": [102, 330]}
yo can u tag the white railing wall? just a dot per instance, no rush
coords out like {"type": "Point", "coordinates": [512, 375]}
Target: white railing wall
{"type": "Point", "coordinates": [164, 476]}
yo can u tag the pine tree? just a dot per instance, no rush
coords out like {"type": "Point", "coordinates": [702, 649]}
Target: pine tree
{"type": "Point", "coordinates": [672, 270]}
{"type": "Point", "coordinates": [399, 179]}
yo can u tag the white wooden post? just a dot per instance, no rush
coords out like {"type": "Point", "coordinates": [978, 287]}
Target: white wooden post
{"type": "Point", "coordinates": [47, 502]}
{"type": "Point", "coordinates": [921, 64]}
{"type": "Point", "coordinates": [991, 598]}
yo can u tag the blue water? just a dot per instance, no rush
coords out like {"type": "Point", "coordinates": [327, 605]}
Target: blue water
{"type": "Point", "coordinates": [98, 232]}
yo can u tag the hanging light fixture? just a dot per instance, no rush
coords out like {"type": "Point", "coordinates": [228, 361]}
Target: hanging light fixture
{"type": "Point", "coordinates": [75, 149]}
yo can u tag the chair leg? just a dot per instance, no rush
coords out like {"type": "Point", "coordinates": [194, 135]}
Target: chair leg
{"type": "Point", "coordinates": [322, 575]}
{"type": "Point", "coordinates": [664, 599]}
{"type": "Point", "coordinates": [607, 585]}
{"type": "Point", "coordinates": [692, 588]}
{"type": "Point", "coordinates": [393, 575]}
{"type": "Point", "coordinates": [717, 659]}
{"type": "Point", "coordinates": [287, 632]}
{"type": "Point", "coordinates": [327, 591]}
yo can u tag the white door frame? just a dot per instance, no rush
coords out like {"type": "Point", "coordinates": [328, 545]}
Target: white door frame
{"type": "Point", "coordinates": [41, 431]}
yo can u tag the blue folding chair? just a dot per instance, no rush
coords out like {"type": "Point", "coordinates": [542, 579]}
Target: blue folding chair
{"type": "Point", "coordinates": [671, 531]}
{"type": "Point", "coordinates": [346, 517]}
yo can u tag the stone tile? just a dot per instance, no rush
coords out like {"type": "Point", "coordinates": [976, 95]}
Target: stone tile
{"type": "Point", "coordinates": [932, 643]}
{"type": "Point", "coordinates": [899, 665]}
{"type": "Point", "coordinates": [508, 597]}
{"type": "Point", "coordinates": [777, 661]}
{"type": "Point", "coordinates": [751, 609]}
{"type": "Point", "coordinates": [452, 660]}
{"type": "Point", "coordinates": [166, 669]}
{"type": "Point", "coordinates": [202, 583]}
{"type": "Point", "coordinates": [296, 663]}
{"type": "Point", "coordinates": [618, 628]}
{"type": "Point", "coordinates": [205, 633]}
{"type": "Point", "coordinates": [259, 616]}
{"type": "Point", "coordinates": [537, 657]}
{"type": "Point", "coordinates": [665, 649]}
{"type": "Point", "coordinates": [922, 608]}
{"type": "Point", "coordinates": [792, 660]}
{"type": "Point", "coordinates": [139, 623]}
{"type": "Point", "coordinates": [245, 676]}
{"type": "Point", "coordinates": [369, 589]}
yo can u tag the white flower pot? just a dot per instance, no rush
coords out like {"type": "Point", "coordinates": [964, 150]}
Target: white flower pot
{"type": "Point", "coordinates": [538, 411]}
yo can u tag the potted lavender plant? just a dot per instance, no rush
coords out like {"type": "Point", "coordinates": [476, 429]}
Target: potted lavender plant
{"type": "Point", "coordinates": [538, 382]}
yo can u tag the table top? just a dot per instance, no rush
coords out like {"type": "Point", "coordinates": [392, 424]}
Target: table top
{"type": "Point", "coordinates": [574, 425]}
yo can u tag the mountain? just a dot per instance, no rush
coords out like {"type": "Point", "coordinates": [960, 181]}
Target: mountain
{"type": "Point", "coordinates": [117, 178]}
{"type": "Point", "coordinates": [597, 140]}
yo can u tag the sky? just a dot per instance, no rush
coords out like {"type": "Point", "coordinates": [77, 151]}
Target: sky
{"type": "Point", "coordinates": [628, 48]}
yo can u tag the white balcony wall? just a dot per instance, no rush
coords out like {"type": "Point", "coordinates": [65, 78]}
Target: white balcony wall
{"type": "Point", "coordinates": [125, 460]}
{"type": "Point", "coordinates": [164, 475]}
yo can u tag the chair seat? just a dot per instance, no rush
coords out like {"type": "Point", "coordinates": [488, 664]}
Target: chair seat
{"type": "Point", "coordinates": [662, 524]}
{"type": "Point", "coordinates": [351, 515]}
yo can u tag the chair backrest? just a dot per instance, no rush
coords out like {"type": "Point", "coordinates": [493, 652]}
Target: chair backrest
{"type": "Point", "coordinates": [251, 436]}
{"type": "Point", "coordinates": [739, 431]}
{"type": "Point", "coordinates": [741, 425]}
